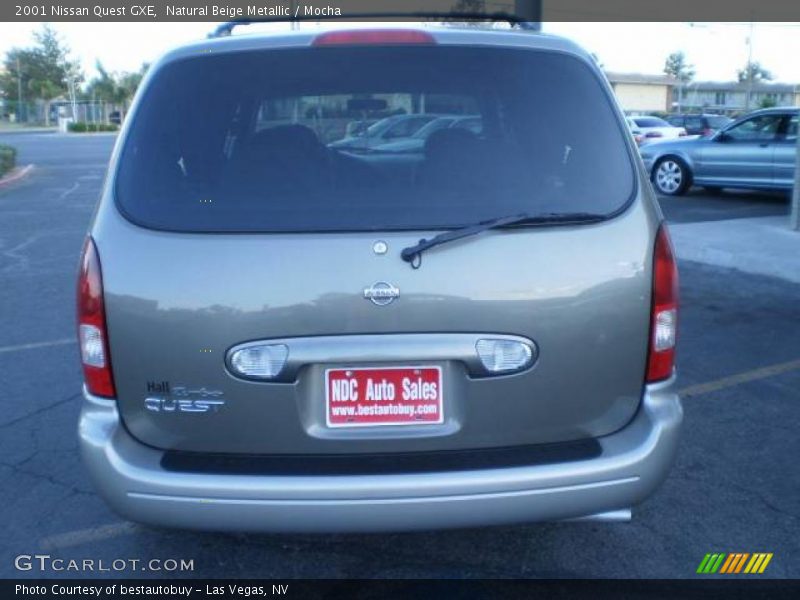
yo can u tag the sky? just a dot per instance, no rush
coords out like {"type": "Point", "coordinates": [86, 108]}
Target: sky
{"type": "Point", "coordinates": [717, 50]}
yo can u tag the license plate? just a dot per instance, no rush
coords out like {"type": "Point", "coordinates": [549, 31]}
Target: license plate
{"type": "Point", "coordinates": [383, 396]}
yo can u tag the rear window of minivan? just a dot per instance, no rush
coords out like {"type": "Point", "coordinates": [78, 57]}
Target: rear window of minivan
{"type": "Point", "coordinates": [328, 139]}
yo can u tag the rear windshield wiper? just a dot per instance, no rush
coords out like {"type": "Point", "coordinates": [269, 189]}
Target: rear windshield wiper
{"type": "Point", "coordinates": [413, 254]}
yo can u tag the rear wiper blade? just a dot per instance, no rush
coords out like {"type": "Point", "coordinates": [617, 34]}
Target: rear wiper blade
{"type": "Point", "coordinates": [413, 254]}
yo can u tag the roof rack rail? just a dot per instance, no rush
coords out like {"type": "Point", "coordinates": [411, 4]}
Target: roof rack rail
{"type": "Point", "coordinates": [225, 29]}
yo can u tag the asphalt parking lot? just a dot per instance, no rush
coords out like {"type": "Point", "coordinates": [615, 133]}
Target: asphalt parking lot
{"type": "Point", "coordinates": [734, 488]}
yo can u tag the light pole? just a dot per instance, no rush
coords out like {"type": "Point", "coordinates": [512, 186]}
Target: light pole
{"type": "Point", "coordinates": [794, 218]}
{"type": "Point", "coordinates": [749, 69]}
{"type": "Point", "coordinates": [19, 91]}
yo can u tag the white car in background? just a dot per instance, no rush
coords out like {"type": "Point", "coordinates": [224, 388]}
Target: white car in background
{"type": "Point", "coordinates": [653, 129]}
{"type": "Point", "coordinates": [637, 134]}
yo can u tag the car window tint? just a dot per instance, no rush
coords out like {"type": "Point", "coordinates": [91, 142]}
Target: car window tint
{"type": "Point", "coordinates": [791, 130]}
{"type": "Point", "coordinates": [282, 140]}
{"type": "Point", "coordinates": [755, 129]}
{"type": "Point", "coordinates": [694, 123]}
{"type": "Point", "coordinates": [406, 127]}
{"type": "Point", "coordinates": [651, 122]}
{"type": "Point", "coordinates": [435, 125]}
{"type": "Point", "coordinates": [473, 125]}
{"type": "Point", "coordinates": [718, 122]}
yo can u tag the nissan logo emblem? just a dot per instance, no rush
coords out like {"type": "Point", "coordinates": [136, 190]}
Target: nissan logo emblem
{"type": "Point", "coordinates": [381, 293]}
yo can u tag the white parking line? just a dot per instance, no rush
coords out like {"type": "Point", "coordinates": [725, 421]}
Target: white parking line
{"type": "Point", "coordinates": [18, 347]}
{"type": "Point", "coordinates": [739, 378]}
{"type": "Point", "coordinates": [84, 536]}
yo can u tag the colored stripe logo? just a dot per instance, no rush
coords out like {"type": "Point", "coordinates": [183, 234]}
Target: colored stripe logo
{"type": "Point", "coordinates": [735, 562]}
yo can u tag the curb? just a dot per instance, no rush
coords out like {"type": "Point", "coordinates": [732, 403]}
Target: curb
{"type": "Point", "coordinates": [79, 133]}
{"type": "Point", "coordinates": [16, 175]}
{"type": "Point", "coordinates": [26, 130]}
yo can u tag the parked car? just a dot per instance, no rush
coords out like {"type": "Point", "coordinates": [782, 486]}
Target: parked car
{"type": "Point", "coordinates": [279, 335]}
{"type": "Point", "coordinates": [755, 152]}
{"type": "Point", "coordinates": [655, 129]}
{"type": "Point", "coordinates": [416, 143]}
{"type": "Point", "coordinates": [638, 135]}
{"type": "Point", "coordinates": [699, 124]}
{"type": "Point", "coordinates": [357, 128]}
{"type": "Point", "coordinates": [390, 129]}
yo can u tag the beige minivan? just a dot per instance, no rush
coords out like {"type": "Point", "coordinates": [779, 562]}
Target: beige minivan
{"type": "Point", "coordinates": [283, 333]}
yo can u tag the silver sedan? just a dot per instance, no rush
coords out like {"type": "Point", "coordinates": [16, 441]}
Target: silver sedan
{"type": "Point", "coordinates": [754, 152]}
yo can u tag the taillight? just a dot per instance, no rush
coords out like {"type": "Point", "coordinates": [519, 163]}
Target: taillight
{"type": "Point", "coordinates": [654, 134]}
{"type": "Point", "coordinates": [664, 312]}
{"type": "Point", "coordinates": [92, 331]}
{"type": "Point", "coordinates": [373, 36]}
{"type": "Point", "coordinates": [707, 131]}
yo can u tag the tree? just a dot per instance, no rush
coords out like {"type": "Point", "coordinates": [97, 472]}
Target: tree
{"type": "Point", "coordinates": [104, 87]}
{"type": "Point", "coordinates": [129, 82]}
{"type": "Point", "coordinates": [767, 102]}
{"type": "Point", "coordinates": [42, 72]}
{"type": "Point", "coordinates": [17, 68]}
{"type": "Point", "coordinates": [115, 88]}
{"type": "Point", "coordinates": [754, 72]}
{"type": "Point", "coordinates": [676, 66]}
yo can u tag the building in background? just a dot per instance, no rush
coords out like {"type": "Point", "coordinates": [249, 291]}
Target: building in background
{"type": "Point", "coordinates": [731, 97]}
{"type": "Point", "coordinates": [643, 94]}
{"type": "Point", "coordinates": [657, 94]}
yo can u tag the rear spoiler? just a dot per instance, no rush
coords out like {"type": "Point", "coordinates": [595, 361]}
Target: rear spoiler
{"type": "Point", "coordinates": [534, 10]}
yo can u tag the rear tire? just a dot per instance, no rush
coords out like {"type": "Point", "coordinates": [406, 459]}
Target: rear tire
{"type": "Point", "coordinates": [671, 176]}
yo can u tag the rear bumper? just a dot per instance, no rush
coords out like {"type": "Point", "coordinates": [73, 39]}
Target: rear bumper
{"type": "Point", "coordinates": [129, 475]}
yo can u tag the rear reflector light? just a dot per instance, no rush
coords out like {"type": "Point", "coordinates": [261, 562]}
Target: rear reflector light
{"type": "Point", "coordinates": [93, 353]}
{"type": "Point", "coordinates": [259, 362]}
{"type": "Point", "coordinates": [373, 36]}
{"type": "Point", "coordinates": [503, 356]}
{"type": "Point", "coordinates": [92, 331]}
{"type": "Point", "coordinates": [664, 316]}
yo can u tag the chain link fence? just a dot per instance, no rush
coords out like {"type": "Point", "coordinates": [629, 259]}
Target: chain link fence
{"type": "Point", "coordinates": [38, 113]}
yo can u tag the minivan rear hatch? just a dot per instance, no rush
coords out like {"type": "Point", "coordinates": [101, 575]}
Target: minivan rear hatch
{"type": "Point", "coordinates": [252, 259]}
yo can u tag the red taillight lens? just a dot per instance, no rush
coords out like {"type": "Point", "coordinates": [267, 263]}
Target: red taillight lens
{"type": "Point", "coordinates": [654, 134]}
{"type": "Point", "coordinates": [707, 131]}
{"type": "Point", "coordinates": [373, 36]}
{"type": "Point", "coordinates": [92, 331]}
{"type": "Point", "coordinates": [664, 312]}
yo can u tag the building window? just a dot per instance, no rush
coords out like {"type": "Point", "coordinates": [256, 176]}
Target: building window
{"type": "Point", "coordinates": [719, 98]}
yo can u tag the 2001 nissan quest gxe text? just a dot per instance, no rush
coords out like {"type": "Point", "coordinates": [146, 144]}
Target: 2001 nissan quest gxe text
{"type": "Point", "coordinates": [279, 333]}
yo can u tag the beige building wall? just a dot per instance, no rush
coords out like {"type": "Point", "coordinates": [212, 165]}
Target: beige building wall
{"type": "Point", "coordinates": [644, 97]}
